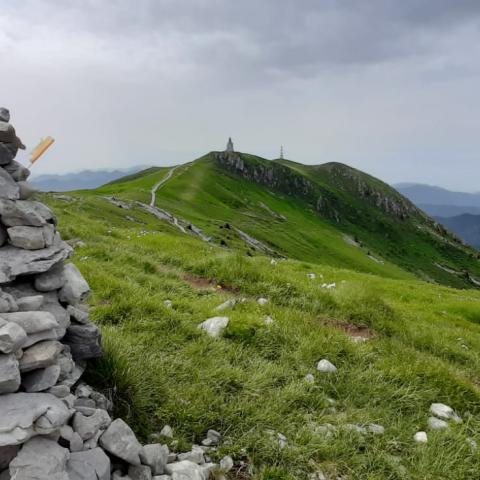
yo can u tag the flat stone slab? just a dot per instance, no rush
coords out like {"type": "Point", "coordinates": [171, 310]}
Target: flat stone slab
{"type": "Point", "coordinates": [40, 458]}
{"type": "Point", "coordinates": [25, 415]}
{"type": "Point", "coordinates": [16, 261]}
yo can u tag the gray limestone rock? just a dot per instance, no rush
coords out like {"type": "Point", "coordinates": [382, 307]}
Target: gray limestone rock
{"type": "Point", "coordinates": [75, 289]}
{"type": "Point", "coordinates": [8, 187]}
{"type": "Point", "coordinates": [155, 456]}
{"type": "Point", "coordinates": [16, 261]}
{"type": "Point", "coordinates": [9, 375]}
{"type": "Point", "coordinates": [139, 472]}
{"type": "Point", "coordinates": [12, 336]}
{"type": "Point", "coordinates": [214, 326]}
{"type": "Point", "coordinates": [25, 415]}
{"type": "Point", "coordinates": [7, 303]}
{"type": "Point", "coordinates": [40, 459]}
{"type": "Point", "coordinates": [120, 440]}
{"type": "Point", "coordinates": [60, 391]}
{"type": "Point", "coordinates": [89, 465]}
{"type": "Point", "coordinates": [76, 443]}
{"type": "Point", "coordinates": [17, 171]}
{"type": "Point", "coordinates": [226, 463]}
{"type": "Point", "coordinates": [437, 424]}
{"type": "Point", "coordinates": [24, 213]}
{"type": "Point", "coordinates": [41, 379]}
{"type": "Point", "coordinates": [445, 412]}
{"type": "Point", "coordinates": [32, 322]}
{"type": "Point", "coordinates": [79, 313]}
{"type": "Point", "coordinates": [85, 341]}
{"type": "Point", "coordinates": [326, 366]}
{"type": "Point", "coordinates": [195, 455]}
{"type": "Point", "coordinates": [186, 470]}
{"type": "Point", "coordinates": [87, 427]}
{"type": "Point", "coordinates": [53, 279]}
{"type": "Point", "coordinates": [31, 238]}
{"type": "Point", "coordinates": [40, 355]}
{"type": "Point", "coordinates": [26, 190]}
{"type": "Point", "coordinates": [30, 303]}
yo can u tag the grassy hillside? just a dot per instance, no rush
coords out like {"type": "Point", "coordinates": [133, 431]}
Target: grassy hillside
{"type": "Point", "coordinates": [328, 214]}
{"type": "Point", "coordinates": [419, 344]}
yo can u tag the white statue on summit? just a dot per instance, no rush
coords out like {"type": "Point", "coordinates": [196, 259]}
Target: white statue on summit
{"type": "Point", "coordinates": [229, 145]}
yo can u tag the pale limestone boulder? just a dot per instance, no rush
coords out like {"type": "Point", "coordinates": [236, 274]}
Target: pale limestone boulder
{"type": "Point", "coordinates": [12, 336]}
{"type": "Point", "coordinates": [25, 415]}
{"type": "Point", "coordinates": [31, 238]}
{"type": "Point", "coordinates": [9, 375]}
{"type": "Point", "coordinates": [16, 261]}
{"type": "Point", "coordinates": [30, 304]}
{"type": "Point", "coordinates": [40, 355]}
{"type": "Point", "coordinates": [8, 187]}
{"type": "Point", "coordinates": [214, 326]}
{"type": "Point", "coordinates": [155, 456]}
{"type": "Point", "coordinates": [75, 289]}
{"type": "Point", "coordinates": [40, 459]}
{"type": "Point", "coordinates": [89, 465]}
{"type": "Point", "coordinates": [41, 379]}
{"type": "Point", "coordinates": [53, 279]}
{"type": "Point", "coordinates": [120, 440]}
{"type": "Point", "coordinates": [24, 213]}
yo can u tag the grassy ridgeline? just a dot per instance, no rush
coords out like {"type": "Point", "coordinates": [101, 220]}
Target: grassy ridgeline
{"type": "Point", "coordinates": [160, 369]}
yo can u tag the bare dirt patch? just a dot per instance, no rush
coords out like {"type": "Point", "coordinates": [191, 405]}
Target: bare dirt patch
{"type": "Point", "coordinates": [356, 332]}
{"type": "Point", "coordinates": [201, 283]}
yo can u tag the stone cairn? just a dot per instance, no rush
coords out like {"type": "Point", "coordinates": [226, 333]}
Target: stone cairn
{"type": "Point", "coordinates": [52, 425]}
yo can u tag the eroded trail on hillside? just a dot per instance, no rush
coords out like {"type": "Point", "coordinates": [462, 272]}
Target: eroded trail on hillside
{"type": "Point", "coordinates": [158, 185]}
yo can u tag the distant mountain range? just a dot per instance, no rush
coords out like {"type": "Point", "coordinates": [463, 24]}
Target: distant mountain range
{"type": "Point", "coordinates": [458, 211]}
{"type": "Point", "coordinates": [85, 179]}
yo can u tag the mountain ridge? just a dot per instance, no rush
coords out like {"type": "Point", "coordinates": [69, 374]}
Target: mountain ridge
{"type": "Point", "coordinates": [331, 202]}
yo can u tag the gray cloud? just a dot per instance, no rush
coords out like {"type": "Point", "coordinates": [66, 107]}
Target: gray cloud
{"type": "Point", "coordinates": [377, 83]}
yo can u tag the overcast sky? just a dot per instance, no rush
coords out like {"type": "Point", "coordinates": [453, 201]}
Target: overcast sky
{"type": "Point", "coordinates": [391, 87]}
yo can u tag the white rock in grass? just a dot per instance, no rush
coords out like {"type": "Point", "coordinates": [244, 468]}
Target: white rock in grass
{"type": "Point", "coordinates": [445, 412]}
{"type": "Point", "coordinates": [376, 429]}
{"type": "Point", "coordinates": [282, 440]}
{"type": "Point", "coordinates": [226, 463]}
{"type": "Point", "coordinates": [167, 431]}
{"type": "Point", "coordinates": [309, 378]}
{"type": "Point", "coordinates": [326, 366]}
{"type": "Point", "coordinates": [473, 444]}
{"type": "Point", "coordinates": [228, 304]}
{"type": "Point", "coordinates": [262, 301]}
{"type": "Point", "coordinates": [311, 276]}
{"type": "Point", "coordinates": [273, 262]}
{"type": "Point", "coordinates": [168, 303]}
{"type": "Point", "coordinates": [437, 424]}
{"type": "Point", "coordinates": [421, 437]}
{"type": "Point", "coordinates": [214, 326]}
{"type": "Point", "coordinates": [268, 320]}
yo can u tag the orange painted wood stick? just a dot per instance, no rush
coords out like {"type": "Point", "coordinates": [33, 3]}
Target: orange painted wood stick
{"type": "Point", "coordinates": [40, 149]}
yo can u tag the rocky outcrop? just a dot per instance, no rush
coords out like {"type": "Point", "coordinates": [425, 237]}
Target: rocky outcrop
{"type": "Point", "coordinates": [52, 425]}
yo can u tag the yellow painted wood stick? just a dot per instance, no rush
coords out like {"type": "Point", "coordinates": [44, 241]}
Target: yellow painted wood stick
{"type": "Point", "coordinates": [40, 149]}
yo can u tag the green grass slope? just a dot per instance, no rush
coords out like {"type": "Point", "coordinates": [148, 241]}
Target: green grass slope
{"type": "Point", "coordinates": [310, 213]}
{"type": "Point", "coordinates": [422, 341]}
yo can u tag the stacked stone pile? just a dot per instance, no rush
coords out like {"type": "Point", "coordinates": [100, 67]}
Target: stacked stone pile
{"type": "Point", "coordinates": [52, 425]}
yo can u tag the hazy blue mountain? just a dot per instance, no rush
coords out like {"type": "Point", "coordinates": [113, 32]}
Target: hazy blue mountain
{"type": "Point", "coordinates": [448, 210]}
{"type": "Point", "coordinates": [85, 179]}
{"type": "Point", "coordinates": [466, 226]}
{"type": "Point", "coordinates": [430, 195]}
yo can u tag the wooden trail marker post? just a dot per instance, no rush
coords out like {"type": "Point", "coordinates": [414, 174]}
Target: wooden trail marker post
{"type": "Point", "coordinates": [40, 149]}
